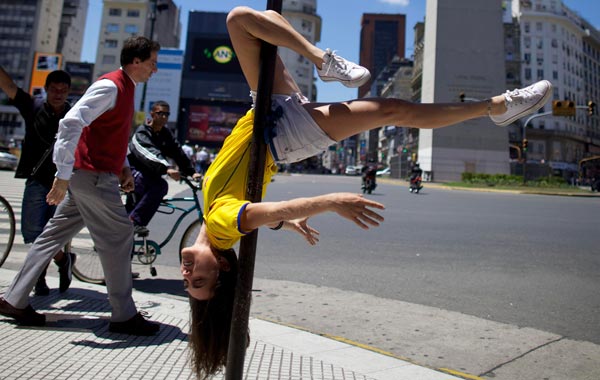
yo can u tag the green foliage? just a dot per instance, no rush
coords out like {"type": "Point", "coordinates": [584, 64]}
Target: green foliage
{"type": "Point", "coordinates": [505, 180]}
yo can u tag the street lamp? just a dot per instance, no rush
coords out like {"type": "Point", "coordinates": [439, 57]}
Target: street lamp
{"type": "Point", "coordinates": [155, 5]}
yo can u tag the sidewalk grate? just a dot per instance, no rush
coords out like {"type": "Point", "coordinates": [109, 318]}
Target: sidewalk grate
{"type": "Point", "coordinates": [76, 344]}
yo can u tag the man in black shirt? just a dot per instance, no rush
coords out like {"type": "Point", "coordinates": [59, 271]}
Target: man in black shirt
{"type": "Point", "coordinates": [35, 165]}
{"type": "Point", "coordinates": [150, 148]}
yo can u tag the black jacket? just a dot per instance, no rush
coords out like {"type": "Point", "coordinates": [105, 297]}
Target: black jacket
{"type": "Point", "coordinates": [148, 152]}
{"type": "Point", "coordinates": [41, 125]}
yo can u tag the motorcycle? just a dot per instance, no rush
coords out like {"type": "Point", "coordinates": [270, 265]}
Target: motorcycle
{"type": "Point", "coordinates": [415, 184]}
{"type": "Point", "coordinates": [368, 183]}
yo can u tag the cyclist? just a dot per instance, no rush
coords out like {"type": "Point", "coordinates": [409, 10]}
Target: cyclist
{"type": "Point", "coordinates": [149, 150]}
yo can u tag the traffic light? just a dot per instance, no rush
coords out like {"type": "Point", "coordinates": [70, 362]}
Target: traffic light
{"type": "Point", "coordinates": [404, 150]}
{"type": "Point", "coordinates": [462, 97]}
{"type": "Point", "coordinates": [591, 108]}
{"type": "Point", "coordinates": [563, 108]}
{"type": "Point", "coordinates": [525, 143]}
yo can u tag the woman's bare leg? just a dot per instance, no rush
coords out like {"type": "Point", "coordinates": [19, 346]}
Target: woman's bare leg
{"type": "Point", "coordinates": [345, 119]}
{"type": "Point", "coordinates": [247, 27]}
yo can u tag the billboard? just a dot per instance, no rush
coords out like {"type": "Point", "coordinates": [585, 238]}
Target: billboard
{"type": "Point", "coordinates": [43, 64]}
{"type": "Point", "coordinates": [212, 123]}
{"type": "Point", "coordinates": [214, 55]}
{"type": "Point", "coordinates": [165, 84]}
{"type": "Point", "coordinates": [81, 78]}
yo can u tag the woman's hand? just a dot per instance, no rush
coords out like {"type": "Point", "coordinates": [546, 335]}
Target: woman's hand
{"type": "Point", "coordinates": [300, 226]}
{"type": "Point", "coordinates": [356, 208]}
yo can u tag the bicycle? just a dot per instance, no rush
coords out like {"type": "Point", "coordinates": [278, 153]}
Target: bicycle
{"type": "Point", "coordinates": [7, 229]}
{"type": "Point", "coordinates": [87, 266]}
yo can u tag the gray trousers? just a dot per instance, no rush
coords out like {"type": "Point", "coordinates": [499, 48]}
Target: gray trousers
{"type": "Point", "coordinates": [93, 201]}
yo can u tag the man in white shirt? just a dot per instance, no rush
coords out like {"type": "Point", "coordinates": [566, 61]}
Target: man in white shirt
{"type": "Point", "coordinates": [90, 157]}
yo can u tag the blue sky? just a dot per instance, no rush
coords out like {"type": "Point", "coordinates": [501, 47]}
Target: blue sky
{"type": "Point", "coordinates": [340, 28]}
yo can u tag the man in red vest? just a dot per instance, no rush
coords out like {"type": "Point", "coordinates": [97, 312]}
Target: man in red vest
{"type": "Point", "coordinates": [90, 157]}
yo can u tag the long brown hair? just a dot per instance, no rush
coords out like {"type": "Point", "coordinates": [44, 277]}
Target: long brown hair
{"type": "Point", "coordinates": [210, 323]}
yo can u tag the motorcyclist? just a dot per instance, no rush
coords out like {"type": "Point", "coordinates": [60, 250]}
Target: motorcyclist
{"type": "Point", "coordinates": [369, 171]}
{"type": "Point", "coordinates": [415, 178]}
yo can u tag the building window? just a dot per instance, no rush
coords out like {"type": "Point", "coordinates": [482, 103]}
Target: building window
{"type": "Point", "coordinates": [526, 27]}
{"type": "Point", "coordinates": [527, 57]}
{"type": "Point", "coordinates": [112, 28]}
{"type": "Point", "coordinates": [539, 27]}
{"type": "Point", "coordinates": [133, 13]}
{"type": "Point", "coordinates": [114, 12]}
{"type": "Point", "coordinates": [110, 43]}
{"type": "Point", "coordinates": [307, 25]}
{"type": "Point", "coordinates": [108, 59]}
{"type": "Point", "coordinates": [527, 42]}
{"type": "Point", "coordinates": [527, 74]}
{"type": "Point", "coordinates": [554, 74]}
{"type": "Point", "coordinates": [131, 28]}
{"type": "Point", "coordinates": [540, 74]}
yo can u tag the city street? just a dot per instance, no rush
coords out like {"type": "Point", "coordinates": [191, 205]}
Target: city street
{"type": "Point", "coordinates": [496, 285]}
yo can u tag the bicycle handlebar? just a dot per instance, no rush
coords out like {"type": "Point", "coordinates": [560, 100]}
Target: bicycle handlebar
{"type": "Point", "coordinates": [197, 186]}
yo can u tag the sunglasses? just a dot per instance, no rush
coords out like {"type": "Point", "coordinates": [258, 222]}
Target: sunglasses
{"type": "Point", "coordinates": [161, 113]}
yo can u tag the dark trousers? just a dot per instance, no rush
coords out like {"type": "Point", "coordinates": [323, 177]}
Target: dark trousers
{"type": "Point", "coordinates": [149, 192]}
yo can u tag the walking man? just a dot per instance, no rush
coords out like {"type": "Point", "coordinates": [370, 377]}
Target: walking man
{"type": "Point", "coordinates": [90, 156]}
{"type": "Point", "coordinates": [36, 166]}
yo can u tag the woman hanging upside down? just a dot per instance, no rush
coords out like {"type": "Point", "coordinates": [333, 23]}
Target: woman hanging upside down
{"type": "Point", "coordinates": [302, 129]}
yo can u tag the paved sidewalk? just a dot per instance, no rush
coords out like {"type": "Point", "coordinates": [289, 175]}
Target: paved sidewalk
{"type": "Point", "coordinates": [76, 344]}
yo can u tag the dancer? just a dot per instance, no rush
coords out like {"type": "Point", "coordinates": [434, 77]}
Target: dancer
{"type": "Point", "coordinates": [302, 129]}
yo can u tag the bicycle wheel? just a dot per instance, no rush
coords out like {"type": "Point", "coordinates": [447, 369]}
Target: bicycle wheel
{"type": "Point", "coordinates": [87, 266]}
{"type": "Point", "coordinates": [190, 235]}
{"type": "Point", "coordinates": [7, 229]}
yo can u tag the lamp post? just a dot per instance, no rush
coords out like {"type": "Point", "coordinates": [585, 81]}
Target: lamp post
{"type": "Point", "coordinates": [152, 16]}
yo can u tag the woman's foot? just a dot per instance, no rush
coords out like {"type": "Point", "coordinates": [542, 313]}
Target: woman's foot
{"type": "Point", "coordinates": [513, 105]}
{"type": "Point", "coordinates": [336, 68]}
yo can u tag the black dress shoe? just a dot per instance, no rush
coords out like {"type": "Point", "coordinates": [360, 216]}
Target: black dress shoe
{"type": "Point", "coordinates": [25, 317]}
{"type": "Point", "coordinates": [137, 325]}
{"type": "Point", "coordinates": [41, 288]}
{"type": "Point", "coordinates": [65, 271]}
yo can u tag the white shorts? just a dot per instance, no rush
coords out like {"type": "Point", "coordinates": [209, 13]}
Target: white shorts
{"type": "Point", "coordinates": [296, 135]}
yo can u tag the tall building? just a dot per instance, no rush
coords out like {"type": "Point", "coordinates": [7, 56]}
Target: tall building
{"type": "Point", "coordinates": [27, 27]}
{"type": "Point", "coordinates": [303, 17]}
{"type": "Point", "coordinates": [382, 37]}
{"type": "Point", "coordinates": [72, 27]}
{"type": "Point", "coordinates": [125, 18]}
{"type": "Point", "coordinates": [559, 45]}
{"type": "Point", "coordinates": [463, 52]}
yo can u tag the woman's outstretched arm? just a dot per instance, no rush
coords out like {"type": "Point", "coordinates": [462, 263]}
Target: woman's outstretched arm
{"type": "Point", "coordinates": [351, 206]}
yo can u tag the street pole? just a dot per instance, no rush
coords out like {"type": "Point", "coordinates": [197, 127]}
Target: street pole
{"type": "Point", "coordinates": [258, 152]}
{"type": "Point", "coordinates": [152, 20]}
{"type": "Point", "coordinates": [524, 137]}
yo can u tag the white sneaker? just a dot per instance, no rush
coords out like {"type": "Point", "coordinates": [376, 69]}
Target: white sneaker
{"type": "Point", "coordinates": [336, 68]}
{"type": "Point", "coordinates": [523, 101]}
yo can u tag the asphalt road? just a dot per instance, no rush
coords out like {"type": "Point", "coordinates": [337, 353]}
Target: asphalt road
{"type": "Point", "coordinates": [526, 260]}
{"type": "Point", "coordinates": [493, 285]}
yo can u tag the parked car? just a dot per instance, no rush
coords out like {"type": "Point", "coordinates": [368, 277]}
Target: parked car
{"type": "Point", "coordinates": [353, 170]}
{"type": "Point", "coordinates": [384, 172]}
{"type": "Point", "coordinates": [8, 161]}
{"type": "Point", "coordinates": [350, 170]}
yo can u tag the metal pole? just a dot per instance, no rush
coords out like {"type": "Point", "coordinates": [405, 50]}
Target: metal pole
{"type": "Point", "coordinates": [152, 20]}
{"type": "Point", "coordinates": [258, 151]}
{"type": "Point", "coordinates": [525, 136]}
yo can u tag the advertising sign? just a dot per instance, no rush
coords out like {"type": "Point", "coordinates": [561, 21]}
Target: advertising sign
{"type": "Point", "coordinates": [213, 123]}
{"type": "Point", "coordinates": [165, 84]}
{"type": "Point", "coordinates": [43, 64]}
{"type": "Point", "coordinates": [214, 55]}
{"type": "Point", "coordinates": [81, 78]}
